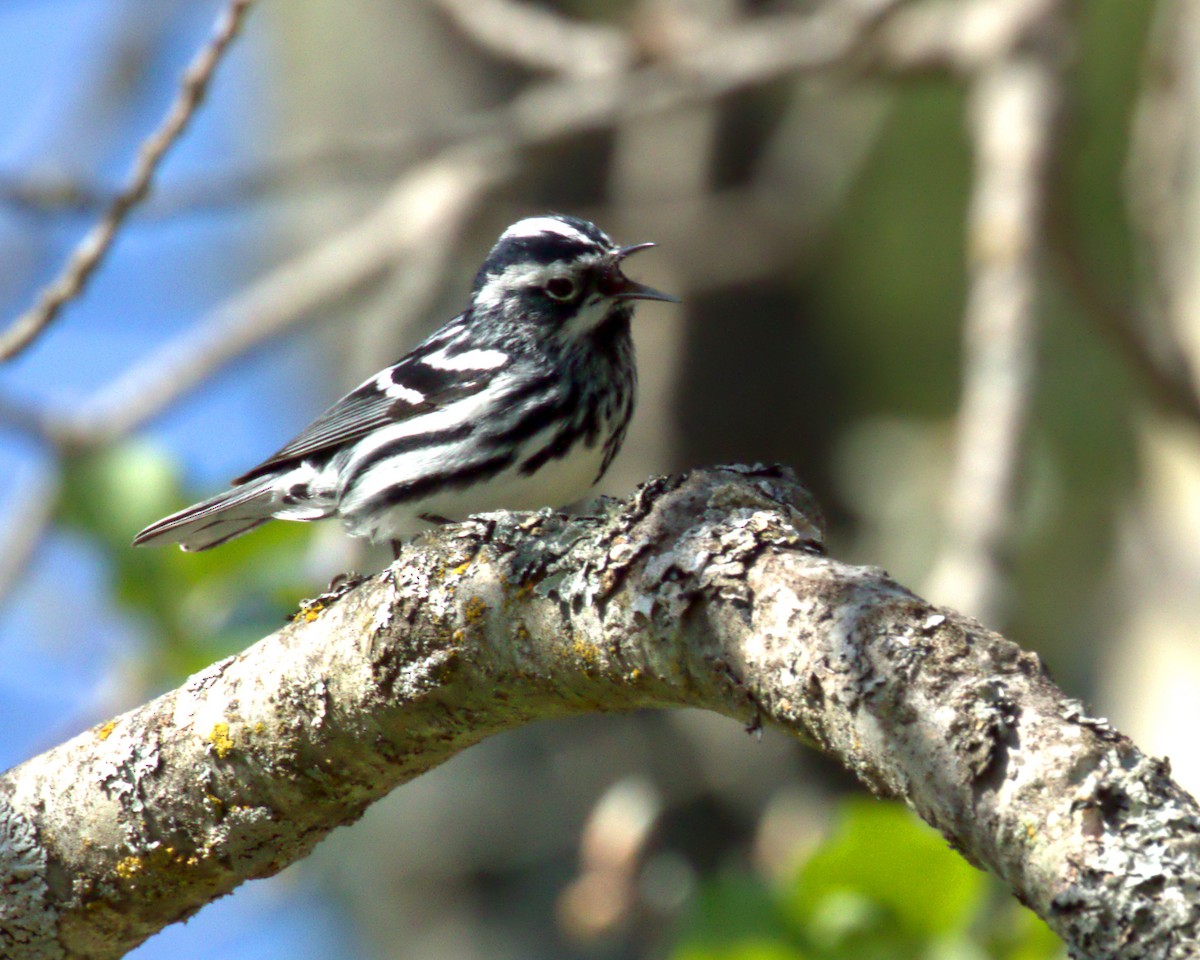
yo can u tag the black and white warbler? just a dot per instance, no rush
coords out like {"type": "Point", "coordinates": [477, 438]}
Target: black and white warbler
{"type": "Point", "coordinates": [521, 401]}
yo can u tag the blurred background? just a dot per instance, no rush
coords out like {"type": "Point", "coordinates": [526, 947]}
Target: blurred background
{"type": "Point", "coordinates": [942, 259]}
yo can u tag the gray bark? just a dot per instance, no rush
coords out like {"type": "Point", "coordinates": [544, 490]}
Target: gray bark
{"type": "Point", "coordinates": [707, 590]}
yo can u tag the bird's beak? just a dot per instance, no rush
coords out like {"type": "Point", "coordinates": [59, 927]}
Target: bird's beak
{"type": "Point", "coordinates": [621, 287]}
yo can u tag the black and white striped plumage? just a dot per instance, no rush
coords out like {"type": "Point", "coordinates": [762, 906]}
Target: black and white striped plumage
{"type": "Point", "coordinates": [522, 401]}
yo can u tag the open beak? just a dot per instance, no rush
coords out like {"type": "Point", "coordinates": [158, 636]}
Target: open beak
{"type": "Point", "coordinates": [621, 287]}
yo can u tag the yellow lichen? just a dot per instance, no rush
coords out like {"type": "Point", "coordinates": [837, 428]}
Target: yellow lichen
{"type": "Point", "coordinates": [474, 610]}
{"type": "Point", "coordinates": [152, 866]}
{"type": "Point", "coordinates": [585, 651]}
{"type": "Point", "coordinates": [311, 611]}
{"type": "Point", "coordinates": [220, 740]}
{"type": "Point", "coordinates": [105, 729]}
{"type": "Point", "coordinates": [129, 867]}
{"type": "Point", "coordinates": [461, 568]}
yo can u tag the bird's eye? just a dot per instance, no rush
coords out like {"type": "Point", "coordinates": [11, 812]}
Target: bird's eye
{"type": "Point", "coordinates": [561, 288]}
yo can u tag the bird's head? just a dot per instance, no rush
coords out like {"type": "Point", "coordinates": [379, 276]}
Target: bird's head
{"type": "Point", "coordinates": [561, 272]}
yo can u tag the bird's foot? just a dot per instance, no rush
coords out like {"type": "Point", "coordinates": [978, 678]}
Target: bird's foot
{"type": "Point", "coordinates": [312, 607]}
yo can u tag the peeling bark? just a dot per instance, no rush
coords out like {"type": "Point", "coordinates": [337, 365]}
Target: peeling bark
{"type": "Point", "coordinates": [707, 590]}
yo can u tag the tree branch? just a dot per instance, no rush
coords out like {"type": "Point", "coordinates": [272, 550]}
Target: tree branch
{"type": "Point", "coordinates": [412, 228]}
{"type": "Point", "coordinates": [705, 590]}
{"type": "Point", "coordinates": [481, 151]}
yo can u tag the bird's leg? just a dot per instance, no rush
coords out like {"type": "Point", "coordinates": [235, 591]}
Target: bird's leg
{"type": "Point", "coordinates": [311, 608]}
{"type": "Point", "coordinates": [433, 518]}
{"type": "Point", "coordinates": [343, 583]}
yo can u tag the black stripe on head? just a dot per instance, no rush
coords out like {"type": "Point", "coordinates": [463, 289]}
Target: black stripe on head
{"type": "Point", "coordinates": [543, 240]}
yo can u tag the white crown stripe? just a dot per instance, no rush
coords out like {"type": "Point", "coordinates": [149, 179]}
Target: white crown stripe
{"type": "Point", "coordinates": [536, 226]}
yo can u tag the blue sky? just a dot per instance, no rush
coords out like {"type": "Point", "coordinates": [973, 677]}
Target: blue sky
{"type": "Point", "coordinates": [63, 663]}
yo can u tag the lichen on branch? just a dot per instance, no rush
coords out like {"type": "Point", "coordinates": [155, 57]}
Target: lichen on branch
{"type": "Point", "coordinates": [707, 590]}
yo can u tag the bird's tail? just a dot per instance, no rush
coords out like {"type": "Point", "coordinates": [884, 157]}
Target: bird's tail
{"type": "Point", "coordinates": [217, 519]}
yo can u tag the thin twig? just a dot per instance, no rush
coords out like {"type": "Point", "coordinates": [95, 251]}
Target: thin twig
{"type": "Point", "coordinates": [1159, 363]}
{"type": "Point", "coordinates": [431, 201]}
{"type": "Point", "coordinates": [92, 249]}
{"type": "Point", "coordinates": [414, 227]}
{"type": "Point", "coordinates": [741, 57]}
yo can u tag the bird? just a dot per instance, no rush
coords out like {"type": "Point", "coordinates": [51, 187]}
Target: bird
{"type": "Point", "coordinates": [520, 402]}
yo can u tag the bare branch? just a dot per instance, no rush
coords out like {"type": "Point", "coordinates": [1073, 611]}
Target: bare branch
{"type": "Point", "coordinates": [92, 249]}
{"type": "Point", "coordinates": [1014, 107]}
{"type": "Point", "coordinates": [751, 54]}
{"type": "Point", "coordinates": [702, 591]}
{"type": "Point", "coordinates": [482, 152]}
{"type": "Point", "coordinates": [420, 216]}
{"type": "Point", "coordinates": [539, 39]}
{"type": "Point", "coordinates": [962, 36]}
{"type": "Point", "coordinates": [1158, 361]}
{"type": "Point", "coordinates": [430, 201]}
{"type": "Point", "coordinates": [748, 54]}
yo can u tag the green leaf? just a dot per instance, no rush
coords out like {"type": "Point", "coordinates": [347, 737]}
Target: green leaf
{"type": "Point", "coordinates": [201, 606]}
{"type": "Point", "coordinates": [880, 855]}
{"type": "Point", "coordinates": [110, 494]}
{"type": "Point", "coordinates": [748, 949]}
{"type": "Point", "coordinates": [1016, 933]}
{"type": "Point", "coordinates": [735, 917]}
{"type": "Point", "coordinates": [883, 886]}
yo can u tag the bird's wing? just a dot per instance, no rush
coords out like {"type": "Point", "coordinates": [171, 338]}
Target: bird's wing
{"type": "Point", "coordinates": [435, 374]}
